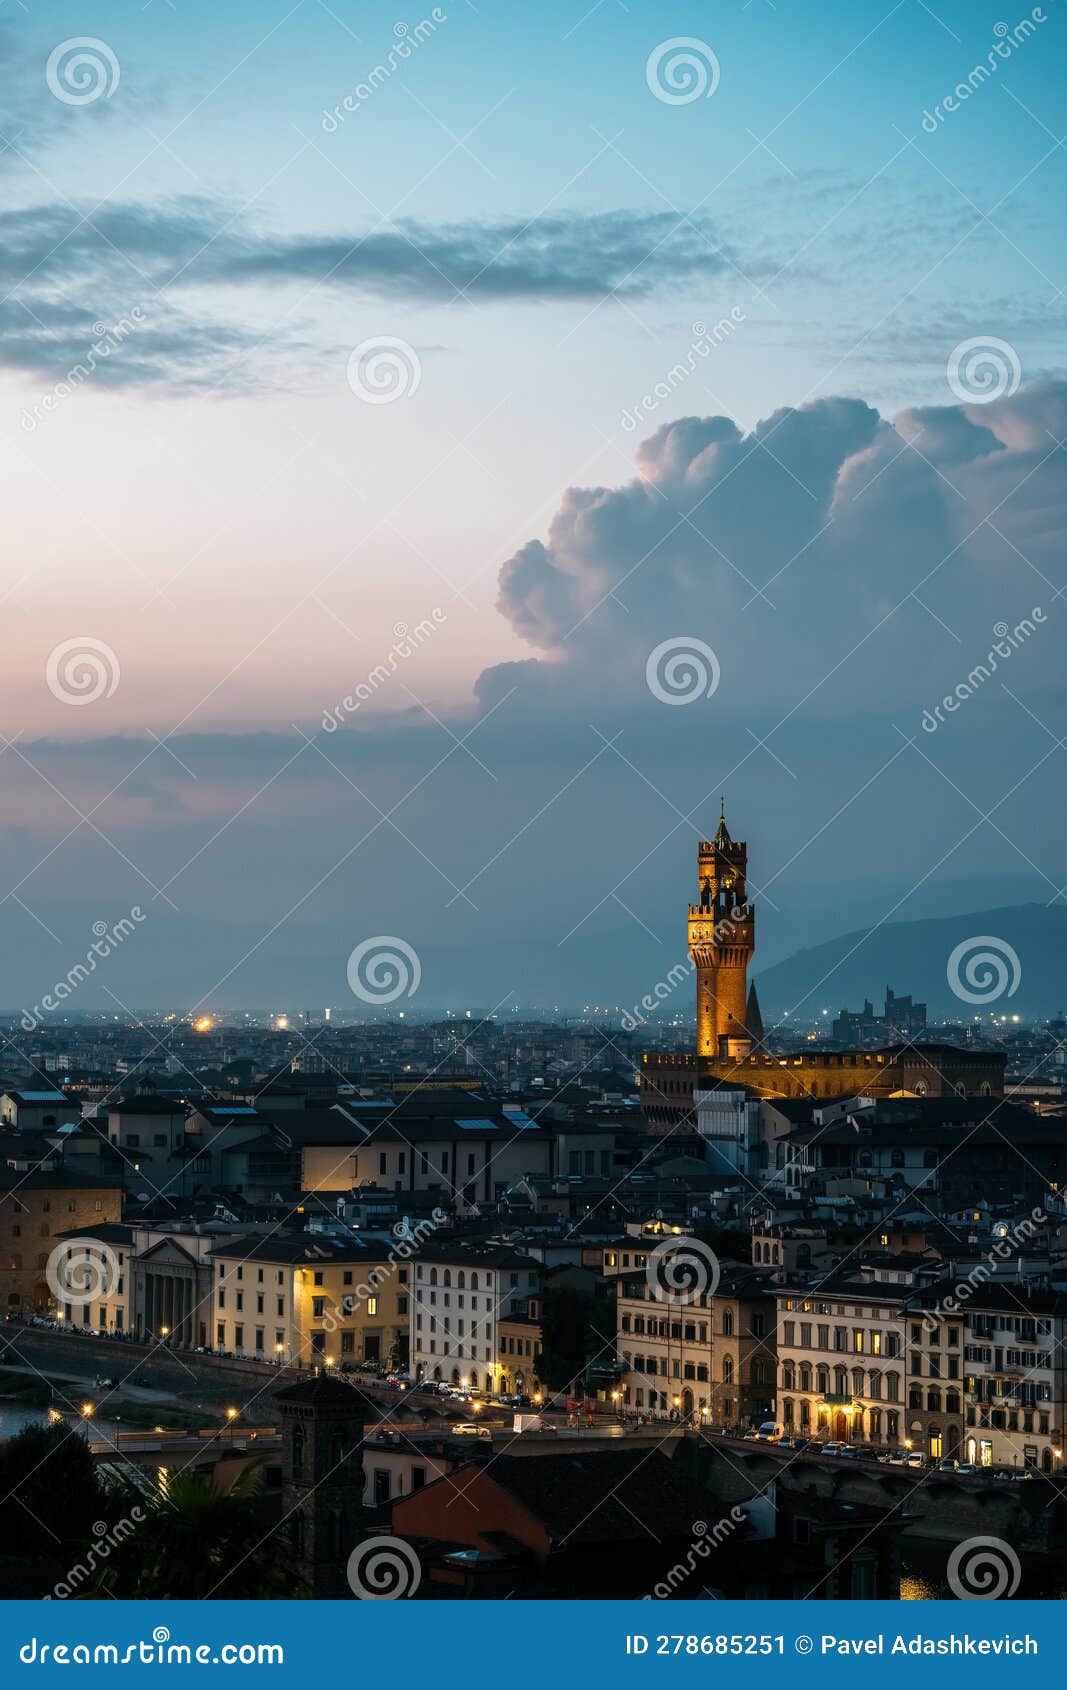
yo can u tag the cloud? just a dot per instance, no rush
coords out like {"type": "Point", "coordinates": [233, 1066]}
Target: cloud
{"type": "Point", "coordinates": [826, 530]}
{"type": "Point", "coordinates": [191, 263]}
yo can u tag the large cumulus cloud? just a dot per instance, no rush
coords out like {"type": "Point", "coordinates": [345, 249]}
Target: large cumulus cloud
{"type": "Point", "coordinates": [827, 548]}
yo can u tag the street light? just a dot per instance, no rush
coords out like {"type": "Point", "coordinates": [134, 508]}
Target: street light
{"type": "Point", "coordinates": [87, 1409]}
{"type": "Point", "coordinates": [231, 1415]}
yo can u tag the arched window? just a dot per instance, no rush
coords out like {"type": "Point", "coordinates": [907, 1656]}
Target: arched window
{"type": "Point", "coordinates": [338, 1446]}
{"type": "Point", "coordinates": [892, 1387]}
{"type": "Point", "coordinates": [857, 1381]}
{"type": "Point", "coordinates": [952, 1402]}
{"type": "Point", "coordinates": [789, 1375]}
{"type": "Point", "coordinates": [897, 1159]}
{"type": "Point", "coordinates": [727, 1370]}
{"type": "Point", "coordinates": [448, 1276]}
{"type": "Point", "coordinates": [787, 1411]}
{"type": "Point", "coordinates": [840, 1381]}
{"type": "Point", "coordinates": [474, 1380]}
{"type": "Point", "coordinates": [805, 1414]}
{"type": "Point", "coordinates": [805, 1375]}
{"type": "Point", "coordinates": [437, 1374]}
{"type": "Point", "coordinates": [298, 1451]}
{"type": "Point", "coordinates": [474, 1282]}
{"type": "Point", "coordinates": [875, 1386]}
{"type": "Point", "coordinates": [933, 1401]}
{"type": "Point", "coordinates": [455, 1376]}
{"type": "Point", "coordinates": [822, 1379]}
{"type": "Point", "coordinates": [727, 1323]}
{"type": "Point", "coordinates": [433, 1276]}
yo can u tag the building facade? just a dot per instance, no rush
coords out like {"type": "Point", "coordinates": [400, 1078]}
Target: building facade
{"type": "Point", "coordinates": [460, 1296]}
{"type": "Point", "coordinates": [712, 1358]}
{"type": "Point", "coordinates": [841, 1361]}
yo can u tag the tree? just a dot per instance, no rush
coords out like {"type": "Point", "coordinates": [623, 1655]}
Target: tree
{"type": "Point", "coordinates": [574, 1330]}
{"type": "Point", "coordinates": [197, 1541]}
{"type": "Point", "coordinates": [50, 1501]}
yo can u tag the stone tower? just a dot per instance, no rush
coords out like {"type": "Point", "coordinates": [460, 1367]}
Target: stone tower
{"type": "Point", "coordinates": [322, 1422]}
{"type": "Point", "coordinates": [722, 939]}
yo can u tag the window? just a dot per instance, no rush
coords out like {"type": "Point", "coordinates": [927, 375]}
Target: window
{"type": "Point", "coordinates": [372, 1305]}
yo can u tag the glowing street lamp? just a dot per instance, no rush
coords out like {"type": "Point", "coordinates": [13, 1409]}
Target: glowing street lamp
{"type": "Point", "coordinates": [231, 1415]}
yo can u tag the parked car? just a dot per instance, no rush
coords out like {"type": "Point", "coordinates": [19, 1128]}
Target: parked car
{"type": "Point", "coordinates": [967, 1469]}
{"type": "Point", "coordinates": [897, 1457]}
{"type": "Point", "coordinates": [948, 1465]}
{"type": "Point", "coordinates": [789, 1442]}
{"type": "Point", "coordinates": [830, 1449]}
{"type": "Point", "coordinates": [472, 1429]}
{"type": "Point", "coordinates": [915, 1459]}
{"type": "Point", "coordinates": [769, 1432]}
{"type": "Point", "coordinates": [1022, 1473]}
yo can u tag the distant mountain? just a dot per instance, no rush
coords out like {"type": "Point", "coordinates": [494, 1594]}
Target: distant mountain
{"type": "Point", "coordinates": [1020, 968]}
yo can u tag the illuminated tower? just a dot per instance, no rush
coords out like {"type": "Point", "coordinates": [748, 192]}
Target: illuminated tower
{"type": "Point", "coordinates": [722, 938]}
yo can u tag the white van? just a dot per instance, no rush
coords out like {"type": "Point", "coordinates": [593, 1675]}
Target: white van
{"type": "Point", "coordinates": [769, 1432]}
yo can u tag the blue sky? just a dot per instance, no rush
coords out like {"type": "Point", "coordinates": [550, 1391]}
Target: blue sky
{"type": "Point", "coordinates": [219, 506]}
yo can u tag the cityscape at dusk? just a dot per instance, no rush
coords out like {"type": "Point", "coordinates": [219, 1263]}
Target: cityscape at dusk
{"type": "Point", "coordinates": [533, 900]}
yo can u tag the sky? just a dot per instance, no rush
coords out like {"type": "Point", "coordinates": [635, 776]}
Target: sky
{"type": "Point", "coordinates": [453, 362]}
